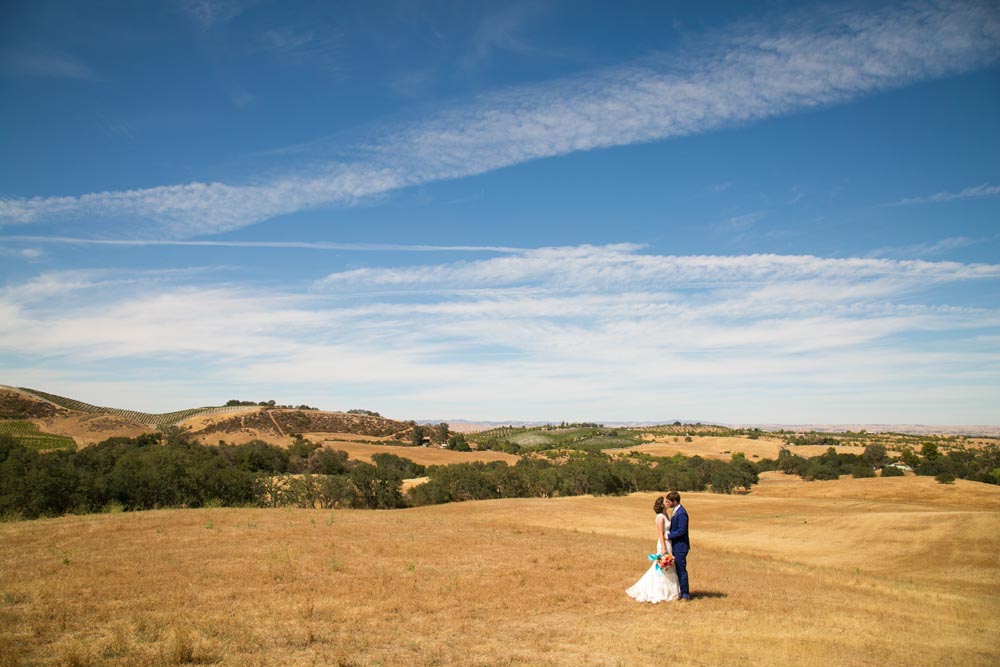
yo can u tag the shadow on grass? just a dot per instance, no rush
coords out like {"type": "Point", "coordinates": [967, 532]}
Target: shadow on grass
{"type": "Point", "coordinates": [706, 595]}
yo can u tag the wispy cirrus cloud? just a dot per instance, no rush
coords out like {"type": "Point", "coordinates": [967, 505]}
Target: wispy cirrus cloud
{"type": "Point", "coordinates": [574, 332]}
{"type": "Point", "coordinates": [749, 73]}
{"type": "Point", "coordinates": [500, 31]}
{"type": "Point", "coordinates": [279, 245]}
{"type": "Point", "coordinates": [928, 249]}
{"type": "Point", "coordinates": [320, 47]}
{"type": "Point", "coordinates": [209, 13]}
{"type": "Point", "coordinates": [613, 267]}
{"type": "Point", "coordinates": [743, 222]}
{"type": "Point", "coordinates": [46, 62]}
{"type": "Point", "coordinates": [28, 254]}
{"type": "Point", "coordinates": [974, 192]}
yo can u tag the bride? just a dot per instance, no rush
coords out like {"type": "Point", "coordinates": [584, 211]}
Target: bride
{"type": "Point", "coordinates": [658, 585]}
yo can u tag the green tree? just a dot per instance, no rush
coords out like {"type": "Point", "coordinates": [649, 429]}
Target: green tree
{"type": "Point", "coordinates": [338, 491]}
{"type": "Point", "coordinates": [458, 443]}
{"type": "Point", "coordinates": [326, 461]}
{"type": "Point", "coordinates": [861, 470]}
{"type": "Point", "coordinates": [930, 452]}
{"type": "Point", "coordinates": [876, 455]}
{"type": "Point", "coordinates": [909, 457]}
{"type": "Point", "coordinates": [404, 466]}
{"type": "Point", "coordinates": [791, 464]}
{"type": "Point", "coordinates": [723, 479]}
{"type": "Point", "coordinates": [745, 473]}
{"type": "Point", "coordinates": [819, 470]}
{"type": "Point", "coordinates": [258, 456]}
{"type": "Point", "coordinates": [378, 488]}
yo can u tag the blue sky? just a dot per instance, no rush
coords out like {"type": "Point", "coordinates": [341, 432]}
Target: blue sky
{"type": "Point", "coordinates": [770, 212]}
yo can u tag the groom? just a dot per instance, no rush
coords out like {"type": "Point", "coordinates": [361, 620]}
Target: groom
{"type": "Point", "coordinates": [678, 537]}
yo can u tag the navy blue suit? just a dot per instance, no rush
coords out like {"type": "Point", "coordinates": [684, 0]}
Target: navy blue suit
{"type": "Point", "coordinates": [678, 536]}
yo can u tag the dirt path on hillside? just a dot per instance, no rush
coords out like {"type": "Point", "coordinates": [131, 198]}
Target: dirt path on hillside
{"type": "Point", "coordinates": [275, 422]}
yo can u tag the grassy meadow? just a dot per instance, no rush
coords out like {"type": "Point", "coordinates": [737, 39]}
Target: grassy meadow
{"type": "Point", "coordinates": [427, 456]}
{"type": "Point", "coordinates": [722, 448]}
{"type": "Point", "coordinates": [900, 571]}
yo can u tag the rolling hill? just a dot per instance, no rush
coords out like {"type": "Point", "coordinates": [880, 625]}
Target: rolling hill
{"type": "Point", "coordinates": [85, 424]}
{"type": "Point", "coordinates": [840, 573]}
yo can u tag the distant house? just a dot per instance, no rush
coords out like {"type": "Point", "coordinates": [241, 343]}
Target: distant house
{"type": "Point", "coordinates": [899, 465]}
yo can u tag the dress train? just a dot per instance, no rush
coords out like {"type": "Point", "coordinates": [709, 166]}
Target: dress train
{"type": "Point", "coordinates": [656, 585]}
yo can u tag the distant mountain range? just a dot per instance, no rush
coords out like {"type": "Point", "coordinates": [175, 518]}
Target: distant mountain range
{"type": "Point", "coordinates": [465, 425]}
{"type": "Point", "coordinates": [469, 426]}
{"type": "Point", "coordinates": [914, 429]}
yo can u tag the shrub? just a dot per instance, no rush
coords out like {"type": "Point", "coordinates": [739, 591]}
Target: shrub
{"type": "Point", "coordinates": [862, 470]}
{"type": "Point", "coordinates": [892, 471]}
{"type": "Point", "coordinates": [820, 471]}
{"type": "Point", "coordinates": [792, 464]}
{"type": "Point", "coordinates": [945, 478]}
{"type": "Point", "coordinates": [458, 443]}
{"type": "Point", "coordinates": [876, 455]}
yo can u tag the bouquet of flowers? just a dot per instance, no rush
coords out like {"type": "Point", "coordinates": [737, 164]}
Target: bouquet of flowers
{"type": "Point", "coordinates": [663, 561]}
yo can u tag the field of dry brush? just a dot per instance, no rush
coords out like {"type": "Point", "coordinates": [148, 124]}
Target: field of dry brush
{"type": "Point", "coordinates": [873, 572]}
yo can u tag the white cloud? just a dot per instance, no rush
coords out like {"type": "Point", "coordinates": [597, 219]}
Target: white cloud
{"type": "Point", "coordinates": [45, 62]}
{"type": "Point", "coordinates": [743, 222]}
{"type": "Point", "coordinates": [749, 74]}
{"type": "Point", "coordinates": [499, 31]}
{"type": "Point", "coordinates": [618, 266]}
{"type": "Point", "coordinates": [279, 245]}
{"type": "Point", "coordinates": [928, 249]}
{"type": "Point", "coordinates": [974, 192]}
{"type": "Point", "coordinates": [209, 13]}
{"type": "Point", "coordinates": [29, 254]}
{"type": "Point", "coordinates": [581, 332]}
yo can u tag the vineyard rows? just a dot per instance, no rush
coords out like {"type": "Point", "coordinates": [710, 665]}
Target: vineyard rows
{"type": "Point", "coordinates": [497, 432]}
{"type": "Point", "coordinates": [31, 436]}
{"type": "Point", "coordinates": [146, 418]}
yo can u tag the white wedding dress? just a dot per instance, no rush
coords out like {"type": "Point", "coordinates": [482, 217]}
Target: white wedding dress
{"type": "Point", "coordinates": [657, 585]}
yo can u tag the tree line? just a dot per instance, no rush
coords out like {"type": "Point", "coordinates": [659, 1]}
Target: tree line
{"type": "Point", "coordinates": [162, 470]}
{"type": "Point", "coordinates": [165, 470]}
{"type": "Point", "coordinates": [581, 473]}
{"type": "Point", "coordinates": [974, 464]}
{"type": "Point", "coordinates": [234, 402]}
{"type": "Point", "coordinates": [169, 469]}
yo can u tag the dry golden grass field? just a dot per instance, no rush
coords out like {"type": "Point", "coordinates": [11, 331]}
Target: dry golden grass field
{"type": "Point", "coordinates": [426, 456]}
{"type": "Point", "coordinates": [88, 429]}
{"type": "Point", "coordinates": [715, 447]}
{"type": "Point", "coordinates": [892, 572]}
{"type": "Point", "coordinates": [710, 447]}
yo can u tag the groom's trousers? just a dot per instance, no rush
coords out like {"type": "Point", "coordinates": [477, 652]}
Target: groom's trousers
{"type": "Point", "coordinates": [680, 565]}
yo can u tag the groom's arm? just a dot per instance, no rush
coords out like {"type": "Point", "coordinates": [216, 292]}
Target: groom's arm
{"type": "Point", "coordinates": [682, 527]}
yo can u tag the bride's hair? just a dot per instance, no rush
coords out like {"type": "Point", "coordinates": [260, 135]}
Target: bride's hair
{"type": "Point", "coordinates": [658, 505]}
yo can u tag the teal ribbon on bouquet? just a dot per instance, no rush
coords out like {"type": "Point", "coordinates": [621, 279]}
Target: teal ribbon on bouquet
{"type": "Point", "coordinates": [656, 559]}
{"type": "Point", "coordinates": [661, 560]}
